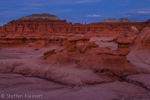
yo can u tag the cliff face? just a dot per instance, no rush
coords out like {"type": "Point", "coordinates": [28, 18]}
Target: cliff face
{"type": "Point", "coordinates": [0, 28]}
{"type": "Point", "coordinates": [61, 26]}
{"type": "Point", "coordinates": [42, 16]}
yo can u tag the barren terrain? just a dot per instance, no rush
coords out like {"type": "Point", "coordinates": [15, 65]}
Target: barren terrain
{"type": "Point", "coordinates": [94, 65]}
{"type": "Point", "coordinates": [66, 82]}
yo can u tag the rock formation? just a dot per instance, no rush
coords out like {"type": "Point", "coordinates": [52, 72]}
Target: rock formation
{"type": "Point", "coordinates": [74, 47]}
{"type": "Point", "coordinates": [112, 57]}
{"type": "Point", "coordinates": [115, 20]}
{"type": "Point", "coordinates": [141, 47]}
{"type": "Point", "coordinates": [87, 54]}
{"type": "Point", "coordinates": [75, 57]}
{"type": "Point", "coordinates": [42, 16]}
{"type": "Point", "coordinates": [143, 39]}
{"type": "Point", "coordinates": [46, 26]}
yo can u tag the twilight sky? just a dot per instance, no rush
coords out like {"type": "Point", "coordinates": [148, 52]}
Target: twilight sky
{"type": "Point", "coordinates": [76, 10]}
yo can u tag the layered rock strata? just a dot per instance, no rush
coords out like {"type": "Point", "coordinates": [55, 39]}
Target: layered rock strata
{"type": "Point", "coordinates": [143, 39]}
{"type": "Point", "coordinates": [46, 26]}
{"type": "Point", "coordinates": [89, 55]}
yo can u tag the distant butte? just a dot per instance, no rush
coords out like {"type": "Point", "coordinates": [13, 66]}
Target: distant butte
{"type": "Point", "coordinates": [42, 16]}
{"type": "Point", "coordinates": [115, 20]}
{"type": "Point", "coordinates": [46, 23]}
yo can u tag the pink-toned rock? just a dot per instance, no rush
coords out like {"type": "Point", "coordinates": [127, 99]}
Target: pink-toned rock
{"type": "Point", "coordinates": [143, 39]}
{"type": "Point", "coordinates": [105, 70]}
{"type": "Point", "coordinates": [121, 51]}
{"type": "Point", "coordinates": [100, 50]}
{"type": "Point", "coordinates": [134, 29]}
{"type": "Point", "coordinates": [62, 59]}
{"type": "Point", "coordinates": [124, 41]}
{"type": "Point", "coordinates": [80, 43]}
{"type": "Point", "coordinates": [123, 45]}
{"type": "Point", "coordinates": [72, 48]}
{"type": "Point", "coordinates": [73, 39]}
{"type": "Point", "coordinates": [92, 44]}
{"type": "Point", "coordinates": [79, 68]}
{"type": "Point", "coordinates": [146, 38]}
{"type": "Point", "coordinates": [70, 35]}
{"type": "Point", "coordinates": [83, 50]}
{"type": "Point", "coordinates": [17, 37]}
{"type": "Point", "coordinates": [49, 52]}
{"type": "Point", "coordinates": [145, 29]}
{"type": "Point", "coordinates": [84, 38]}
{"type": "Point", "coordinates": [58, 50]}
{"type": "Point", "coordinates": [66, 43]}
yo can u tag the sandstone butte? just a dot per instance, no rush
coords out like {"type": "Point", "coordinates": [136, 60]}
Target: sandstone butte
{"type": "Point", "coordinates": [115, 20]}
{"type": "Point", "coordinates": [42, 16]}
{"type": "Point", "coordinates": [45, 23]}
{"type": "Point", "coordinates": [114, 53]}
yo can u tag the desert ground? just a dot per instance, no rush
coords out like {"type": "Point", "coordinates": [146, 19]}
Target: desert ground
{"type": "Point", "coordinates": [53, 72]}
{"type": "Point", "coordinates": [45, 59]}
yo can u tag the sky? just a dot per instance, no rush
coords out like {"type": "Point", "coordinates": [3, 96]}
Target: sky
{"type": "Point", "coordinates": [76, 11]}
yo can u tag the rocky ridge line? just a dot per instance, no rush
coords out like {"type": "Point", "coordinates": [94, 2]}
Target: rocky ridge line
{"type": "Point", "coordinates": [115, 20]}
{"type": "Point", "coordinates": [42, 16]}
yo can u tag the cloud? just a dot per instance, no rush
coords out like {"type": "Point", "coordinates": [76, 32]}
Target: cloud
{"type": "Point", "coordinates": [143, 12]}
{"type": "Point", "coordinates": [94, 15]}
{"type": "Point", "coordinates": [127, 15]}
{"type": "Point", "coordinates": [76, 17]}
{"type": "Point", "coordinates": [137, 15]}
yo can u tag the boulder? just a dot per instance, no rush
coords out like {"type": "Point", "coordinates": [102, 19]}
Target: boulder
{"type": "Point", "coordinates": [121, 52]}
{"type": "Point", "coordinates": [49, 52]}
{"type": "Point", "coordinates": [83, 50]}
{"type": "Point", "coordinates": [92, 45]}
{"type": "Point", "coordinates": [72, 48]}
{"type": "Point", "coordinates": [80, 43]}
